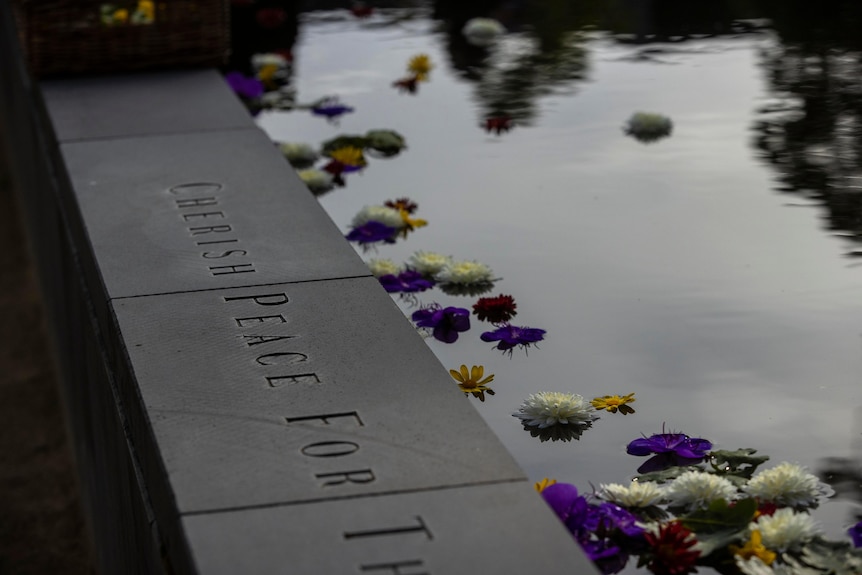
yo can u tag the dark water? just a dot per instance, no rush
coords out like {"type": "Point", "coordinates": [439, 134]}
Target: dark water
{"type": "Point", "coordinates": [714, 273]}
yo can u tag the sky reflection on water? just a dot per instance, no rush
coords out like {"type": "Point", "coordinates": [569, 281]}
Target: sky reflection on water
{"type": "Point", "coordinates": [672, 270]}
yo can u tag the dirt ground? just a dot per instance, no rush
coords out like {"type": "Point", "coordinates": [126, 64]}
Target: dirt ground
{"type": "Point", "coordinates": [42, 530]}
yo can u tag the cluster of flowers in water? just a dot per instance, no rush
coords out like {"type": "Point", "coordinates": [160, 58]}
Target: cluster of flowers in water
{"type": "Point", "coordinates": [694, 506]}
{"type": "Point", "coordinates": [141, 13]}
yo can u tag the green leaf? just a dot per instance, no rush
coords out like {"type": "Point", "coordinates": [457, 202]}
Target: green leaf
{"type": "Point", "coordinates": [741, 462]}
{"type": "Point", "coordinates": [720, 516]}
{"type": "Point", "coordinates": [666, 475]}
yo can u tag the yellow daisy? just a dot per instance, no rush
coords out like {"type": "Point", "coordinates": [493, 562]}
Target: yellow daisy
{"type": "Point", "coordinates": [754, 548]}
{"type": "Point", "coordinates": [349, 156]}
{"type": "Point", "coordinates": [544, 484]}
{"type": "Point", "coordinates": [614, 403]}
{"type": "Point", "coordinates": [471, 381]}
{"type": "Point", "coordinates": [420, 66]}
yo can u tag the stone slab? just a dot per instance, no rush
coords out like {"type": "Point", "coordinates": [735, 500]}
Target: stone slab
{"type": "Point", "coordinates": [504, 529]}
{"type": "Point", "coordinates": [142, 104]}
{"type": "Point", "coordinates": [291, 393]}
{"type": "Point", "coordinates": [200, 211]}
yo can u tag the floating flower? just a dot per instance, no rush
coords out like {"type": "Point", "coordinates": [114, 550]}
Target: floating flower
{"type": "Point", "coordinates": [855, 534]}
{"type": "Point", "coordinates": [571, 507]}
{"type": "Point", "coordinates": [347, 159]}
{"type": "Point", "coordinates": [471, 382]}
{"type": "Point", "coordinates": [544, 484]}
{"type": "Point", "coordinates": [408, 84]}
{"type": "Point", "coordinates": [420, 66]}
{"type": "Point", "coordinates": [785, 529]}
{"type": "Point", "coordinates": [259, 61]}
{"type": "Point", "coordinates": [361, 9]}
{"type": "Point", "coordinates": [670, 449]}
{"type": "Point", "coordinates": [382, 214]}
{"type": "Point", "coordinates": [299, 155]}
{"type": "Point", "coordinates": [647, 127]}
{"type": "Point", "coordinates": [634, 494]}
{"type": "Point", "coordinates": [754, 547]}
{"type": "Point", "coordinates": [498, 124]}
{"type": "Point", "coordinates": [671, 550]}
{"type": "Point", "coordinates": [696, 489]}
{"type": "Point", "coordinates": [428, 263]}
{"type": "Point", "coordinates": [482, 31]}
{"type": "Point", "coordinates": [371, 233]}
{"type": "Point", "coordinates": [786, 484]}
{"type": "Point", "coordinates": [548, 408]}
{"type": "Point", "coordinates": [410, 224]}
{"type": "Point", "coordinates": [614, 403]}
{"type": "Point", "coordinates": [145, 13]}
{"type": "Point", "coordinates": [317, 181]}
{"type": "Point", "coordinates": [407, 281]}
{"type": "Point", "coordinates": [383, 267]}
{"type": "Point", "coordinates": [465, 273]}
{"type": "Point", "coordinates": [402, 205]}
{"type": "Point", "coordinates": [498, 309]}
{"type": "Point", "coordinates": [244, 86]}
{"type": "Point", "coordinates": [509, 336]}
{"type": "Point", "coordinates": [330, 108]}
{"type": "Point", "coordinates": [446, 323]}
{"type": "Point", "coordinates": [753, 566]}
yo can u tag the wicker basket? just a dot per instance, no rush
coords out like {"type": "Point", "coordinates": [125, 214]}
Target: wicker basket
{"type": "Point", "coordinates": [80, 36]}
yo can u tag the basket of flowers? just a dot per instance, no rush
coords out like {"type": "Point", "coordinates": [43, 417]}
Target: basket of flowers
{"type": "Point", "coordinates": [95, 36]}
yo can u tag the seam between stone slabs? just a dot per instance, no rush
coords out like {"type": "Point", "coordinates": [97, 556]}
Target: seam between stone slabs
{"type": "Point", "coordinates": [352, 497]}
{"type": "Point", "coordinates": [156, 134]}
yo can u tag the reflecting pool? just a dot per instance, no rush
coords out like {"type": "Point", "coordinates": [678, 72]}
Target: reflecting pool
{"type": "Point", "coordinates": [714, 273]}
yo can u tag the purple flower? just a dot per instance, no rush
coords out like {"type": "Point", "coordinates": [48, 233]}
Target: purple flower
{"type": "Point", "coordinates": [608, 518]}
{"type": "Point", "coordinates": [671, 449]}
{"type": "Point", "coordinates": [508, 336]}
{"type": "Point", "coordinates": [446, 322]}
{"type": "Point", "coordinates": [407, 281]}
{"type": "Point", "coordinates": [330, 108]}
{"type": "Point", "coordinates": [855, 533]}
{"type": "Point", "coordinates": [570, 507]}
{"type": "Point", "coordinates": [244, 86]}
{"type": "Point", "coordinates": [372, 232]}
{"type": "Point", "coordinates": [607, 556]}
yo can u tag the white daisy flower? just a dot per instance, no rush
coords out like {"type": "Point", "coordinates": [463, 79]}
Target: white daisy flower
{"type": "Point", "coordinates": [258, 61]}
{"type": "Point", "coordinates": [753, 566]}
{"type": "Point", "coordinates": [383, 214]}
{"type": "Point", "coordinates": [482, 31]}
{"type": "Point", "coordinates": [696, 489]}
{"type": "Point", "coordinates": [465, 273]}
{"type": "Point", "coordinates": [785, 529]}
{"type": "Point", "coordinates": [298, 154]}
{"type": "Point", "coordinates": [786, 484]}
{"type": "Point", "coordinates": [316, 180]}
{"type": "Point", "coordinates": [646, 126]}
{"type": "Point", "coordinates": [635, 494]}
{"type": "Point", "coordinates": [548, 408]}
{"type": "Point", "coordinates": [428, 263]}
{"type": "Point", "coordinates": [383, 267]}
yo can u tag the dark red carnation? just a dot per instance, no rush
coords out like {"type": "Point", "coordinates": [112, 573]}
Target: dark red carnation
{"type": "Point", "coordinates": [670, 552]}
{"type": "Point", "coordinates": [407, 84]}
{"type": "Point", "coordinates": [498, 309]}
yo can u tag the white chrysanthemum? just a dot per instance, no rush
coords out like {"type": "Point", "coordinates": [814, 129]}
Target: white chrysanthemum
{"type": "Point", "coordinates": [383, 267]}
{"type": "Point", "coordinates": [548, 408]}
{"type": "Point", "coordinates": [635, 494]}
{"type": "Point", "coordinates": [258, 61]}
{"type": "Point", "coordinates": [648, 125]}
{"type": "Point", "coordinates": [695, 489]}
{"type": "Point", "coordinates": [316, 180]}
{"type": "Point", "coordinates": [465, 273]}
{"type": "Point", "coordinates": [785, 529]}
{"type": "Point", "coordinates": [753, 566]}
{"type": "Point", "coordinates": [301, 154]}
{"type": "Point", "coordinates": [383, 214]}
{"type": "Point", "coordinates": [428, 263]}
{"type": "Point", "coordinates": [786, 484]}
{"type": "Point", "coordinates": [482, 31]}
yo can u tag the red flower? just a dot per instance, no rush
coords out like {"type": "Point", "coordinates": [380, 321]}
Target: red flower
{"type": "Point", "coordinates": [671, 554]}
{"type": "Point", "coordinates": [407, 84]}
{"type": "Point", "coordinates": [498, 124]}
{"type": "Point", "coordinates": [495, 309]}
{"type": "Point", "coordinates": [766, 508]}
{"type": "Point", "coordinates": [402, 204]}
{"type": "Point", "coordinates": [269, 18]}
{"type": "Point", "coordinates": [361, 10]}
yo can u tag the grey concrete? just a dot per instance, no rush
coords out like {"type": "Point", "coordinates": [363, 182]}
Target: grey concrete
{"type": "Point", "coordinates": [483, 530]}
{"type": "Point", "coordinates": [186, 212]}
{"type": "Point", "coordinates": [296, 392]}
{"type": "Point", "coordinates": [142, 104]}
